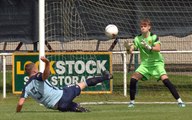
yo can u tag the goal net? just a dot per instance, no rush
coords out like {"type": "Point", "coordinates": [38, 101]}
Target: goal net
{"type": "Point", "coordinates": [78, 25]}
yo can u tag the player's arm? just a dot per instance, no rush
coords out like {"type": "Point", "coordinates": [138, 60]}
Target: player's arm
{"type": "Point", "coordinates": [132, 49]}
{"type": "Point", "coordinates": [46, 72]}
{"type": "Point", "coordinates": [157, 44]}
{"type": "Point", "coordinates": [20, 104]}
{"type": "Point", "coordinates": [156, 47]}
{"type": "Point", "coordinates": [129, 47]}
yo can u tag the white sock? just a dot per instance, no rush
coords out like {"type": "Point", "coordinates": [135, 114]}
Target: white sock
{"type": "Point", "coordinates": [179, 100]}
{"type": "Point", "coordinates": [132, 101]}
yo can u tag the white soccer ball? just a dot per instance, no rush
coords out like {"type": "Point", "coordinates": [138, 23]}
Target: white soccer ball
{"type": "Point", "coordinates": [111, 31]}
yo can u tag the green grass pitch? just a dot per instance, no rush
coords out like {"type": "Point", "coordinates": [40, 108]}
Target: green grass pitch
{"type": "Point", "coordinates": [33, 111]}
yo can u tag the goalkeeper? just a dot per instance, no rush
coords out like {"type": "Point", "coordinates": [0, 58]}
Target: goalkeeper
{"type": "Point", "coordinates": [39, 88]}
{"type": "Point", "coordinates": [152, 63]}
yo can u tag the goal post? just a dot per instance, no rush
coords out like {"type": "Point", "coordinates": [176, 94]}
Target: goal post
{"type": "Point", "coordinates": [78, 25]}
{"type": "Point", "coordinates": [41, 33]}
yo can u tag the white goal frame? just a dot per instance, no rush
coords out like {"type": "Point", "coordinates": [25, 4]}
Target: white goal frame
{"type": "Point", "coordinates": [4, 71]}
{"type": "Point", "coordinates": [41, 33]}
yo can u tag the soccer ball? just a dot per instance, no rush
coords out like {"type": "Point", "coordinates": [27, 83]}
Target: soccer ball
{"type": "Point", "coordinates": [111, 31]}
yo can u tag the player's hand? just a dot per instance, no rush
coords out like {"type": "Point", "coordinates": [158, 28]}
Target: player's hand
{"type": "Point", "coordinates": [128, 46]}
{"type": "Point", "coordinates": [146, 45]}
{"type": "Point", "coordinates": [44, 59]}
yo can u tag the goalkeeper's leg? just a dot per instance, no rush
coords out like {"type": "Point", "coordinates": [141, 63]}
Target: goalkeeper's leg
{"type": "Point", "coordinates": [133, 88]}
{"type": "Point", "coordinates": [173, 91]}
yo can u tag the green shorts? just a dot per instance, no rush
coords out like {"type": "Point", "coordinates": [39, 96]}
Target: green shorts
{"type": "Point", "coordinates": [156, 71]}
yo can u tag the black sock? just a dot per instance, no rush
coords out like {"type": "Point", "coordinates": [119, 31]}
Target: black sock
{"type": "Point", "coordinates": [93, 81]}
{"type": "Point", "coordinates": [171, 88]}
{"type": "Point", "coordinates": [133, 86]}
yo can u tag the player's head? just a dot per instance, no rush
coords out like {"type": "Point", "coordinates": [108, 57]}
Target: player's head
{"type": "Point", "coordinates": [30, 68]}
{"type": "Point", "coordinates": [145, 25]}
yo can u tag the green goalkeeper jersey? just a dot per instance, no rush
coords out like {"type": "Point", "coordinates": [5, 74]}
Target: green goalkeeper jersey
{"type": "Point", "coordinates": [148, 58]}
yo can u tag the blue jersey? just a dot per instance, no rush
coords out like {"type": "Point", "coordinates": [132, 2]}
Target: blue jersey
{"type": "Point", "coordinates": [42, 91]}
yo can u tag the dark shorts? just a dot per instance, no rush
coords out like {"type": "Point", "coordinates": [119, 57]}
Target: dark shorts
{"type": "Point", "coordinates": [69, 93]}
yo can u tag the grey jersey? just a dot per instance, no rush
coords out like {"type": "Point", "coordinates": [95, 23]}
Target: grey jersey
{"type": "Point", "coordinates": [42, 91]}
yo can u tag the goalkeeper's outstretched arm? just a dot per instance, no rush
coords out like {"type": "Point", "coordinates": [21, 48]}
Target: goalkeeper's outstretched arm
{"type": "Point", "coordinates": [129, 47]}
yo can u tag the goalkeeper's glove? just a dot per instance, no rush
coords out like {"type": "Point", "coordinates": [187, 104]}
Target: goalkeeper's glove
{"type": "Point", "coordinates": [128, 47]}
{"type": "Point", "coordinates": [145, 45]}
